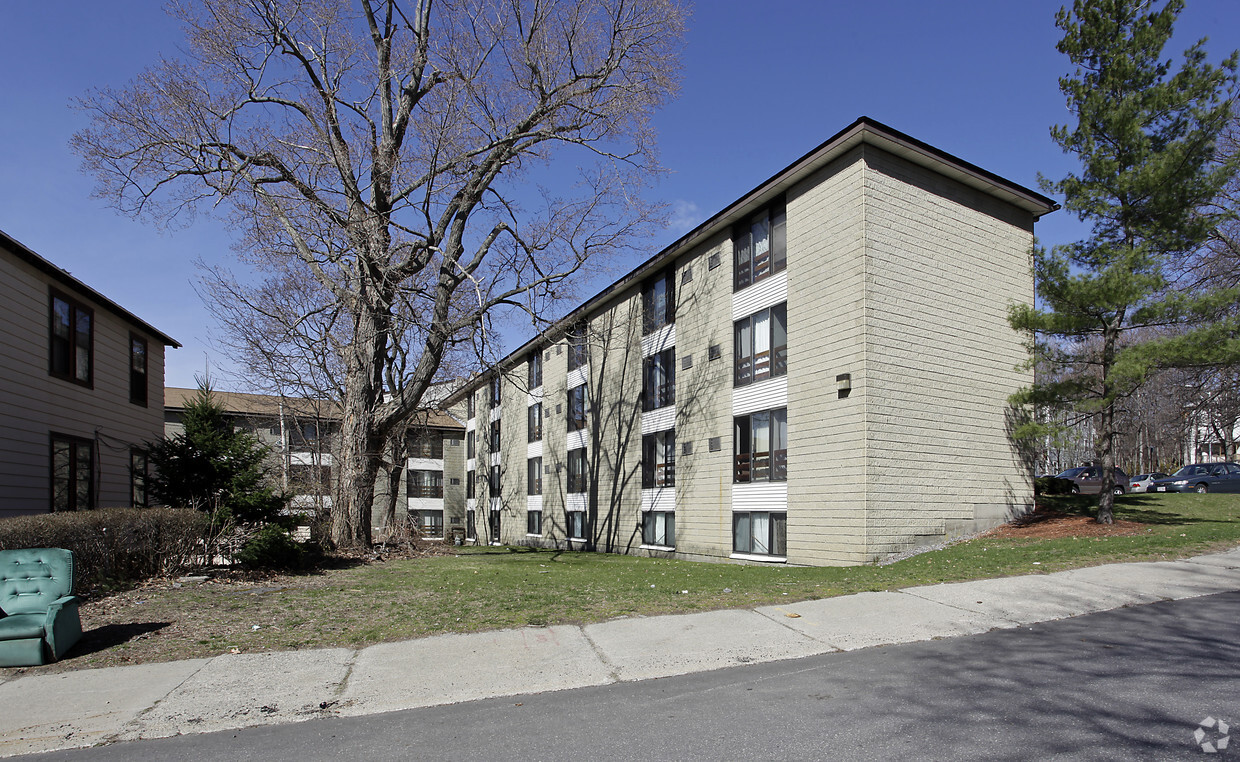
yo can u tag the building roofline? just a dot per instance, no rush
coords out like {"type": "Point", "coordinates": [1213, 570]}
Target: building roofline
{"type": "Point", "coordinates": [863, 130]}
{"type": "Point", "coordinates": [30, 257]}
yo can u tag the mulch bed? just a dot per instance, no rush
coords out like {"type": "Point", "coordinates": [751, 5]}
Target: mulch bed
{"type": "Point", "coordinates": [1045, 523]}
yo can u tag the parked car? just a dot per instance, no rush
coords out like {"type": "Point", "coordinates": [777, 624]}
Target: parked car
{"type": "Point", "coordinates": [1201, 477]}
{"type": "Point", "coordinates": [1087, 480]}
{"type": "Point", "coordinates": [1141, 482]}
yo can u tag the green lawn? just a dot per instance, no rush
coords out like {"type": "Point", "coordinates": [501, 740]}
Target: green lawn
{"type": "Point", "coordinates": [489, 588]}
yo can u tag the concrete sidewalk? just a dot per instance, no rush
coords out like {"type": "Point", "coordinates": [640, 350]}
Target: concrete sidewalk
{"type": "Point", "coordinates": [75, 709]}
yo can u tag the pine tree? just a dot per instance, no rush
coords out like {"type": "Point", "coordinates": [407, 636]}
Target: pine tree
{"type": "Point", "coordinates": [214, 468]}
{"type": "Point", "coordinates": [1108, 315]}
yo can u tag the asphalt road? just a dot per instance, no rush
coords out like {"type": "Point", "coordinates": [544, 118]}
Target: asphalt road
{"type": "Point", "coordinates": [1128, 684]}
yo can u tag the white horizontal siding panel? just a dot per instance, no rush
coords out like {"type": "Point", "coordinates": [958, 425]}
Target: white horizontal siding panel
{"type": "Point", "coordinates": [426, 504]}
{"type": "Point", "coordinates": [310, 459]}
{"type": "Point", "coordinates": [576, 501]}
{"type": "Point", "coordinates": [664, 338]}
{"type": "Point", "coordinates": [534, 449]}
{"type": "Point", "coordinates": [577, 439]}
{"type": "Point", "coordinates": [533, 503]}
{"type": "Point", "coordinates": [659, 499]}
{"type": "Point", "coordinates": [659, 420]}
{"type": "Point", "coordinates": [471, 504]}
{"type": "Point", "coordinates": [760, 496]}
{"type": "Point", "coordinates": [471, 464]}
{"type": "Point", "coordinates": [495, 459]}
{"type": "Point", "coordinates": [424, 464]}
{"type": "Point", "coordinates": [471, 424]}
{"type": "Point", "coordinates": [577, 377]}
{"type": "Point", "coordinates": [766, 293]}
{"type": "Point", "coordinates": [770, 394]}
{"type": "Point", "coordinates": [536, 396]}
{"type": "Point", "coordinates": [496, 413]}
{"type": "Point", "coordinates": [495, 503]}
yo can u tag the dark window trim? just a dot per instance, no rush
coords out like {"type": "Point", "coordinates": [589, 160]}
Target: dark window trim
{"type": "Point", "coordinates": [651, 319]}
{"type": "Point", "coordinates": [578, 415]}
{"type": "Point", "coordinates": [534, 428]}
{"type": "Point", "coordinates": [533, 476]}
{"type": "Point", "coordinates": [74, 442]}
{"type": "Point", "coordinates": [745, 465]}
{"type": "Point", "coordinates": [534, 370]}
{"type": "Point", "coordinates": [777, 534]}
{"type": "Point", "coordinates": [654, 394]}
{"type": "Point", "coordinates": [745, 367]}
{"type": "Point", "coordinates": [75, 306]}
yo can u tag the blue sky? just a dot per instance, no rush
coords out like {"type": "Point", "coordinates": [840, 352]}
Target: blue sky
{"type": "Point", "coordinates": [763, 83]}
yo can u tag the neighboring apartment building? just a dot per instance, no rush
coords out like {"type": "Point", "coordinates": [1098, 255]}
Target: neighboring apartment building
{"type": "Point", "coordinates": [301, 434]}
{"type": "Point", "coordinates": [81, 391]}
{"type": "Point", "coordinates": [818, 374]}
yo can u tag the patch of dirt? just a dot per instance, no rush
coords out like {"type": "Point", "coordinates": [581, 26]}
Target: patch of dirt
{"type": "Point", "coordinates": [1046, 524]}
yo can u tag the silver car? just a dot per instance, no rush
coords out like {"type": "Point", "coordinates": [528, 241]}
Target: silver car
{"type": "Point", "coordinates": [1141, 482]}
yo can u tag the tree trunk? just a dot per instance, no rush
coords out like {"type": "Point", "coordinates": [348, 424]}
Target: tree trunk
{"type": "Point", "coordinates": [1106, 431]}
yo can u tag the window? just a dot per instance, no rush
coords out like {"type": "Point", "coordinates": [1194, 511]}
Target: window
{"type": "Point", "coordinates": [430, 523]}
{"type": "Point", "coordinates": [73, 473]}
{"type": "Point", "coordinates": [534, 366]}
{"type": "Point", "coordinates": [425, 484]}
{"type": "Point", "coordinates": [761, 342]}
{"type": "Point", "coordinates": [659, 459]}
{"type": "Point", "coordinates": [471, 485]}
{"type": "Point", "coordinates": [72, 340]}
{"type": "Point", "coordinates": [469, 443]}
{"type": "Point", "coordinates": [495, 479]}
{"type": "Point", "coordinates": [760, 442]}
{"type": "Point", "coordinates": [494, 444]}
{"type": "Point", "coordinates": [137, 370]}
{"type": "Point", "coordinates": [659, 528]}
{"type": "Point", "coordinates": [535, 422]}
{"type": "Point", "coordinates": [761, 247]}
{"type": "Point", "coordinates": [760, 533]}
{"type": "Point", "coordinates": [533, 479]}
{"type": "Point", "coordinates": [578, 406]}
{"type": "Point", "coordinates": [137, 478]}
{"type": "Point", "coordinates": [659, 380]}
{"type": "Point", "coordinates": [471, 525]}
{"type": "Point", "coordinates": [658, 303]}
{"type": "Point", "coordinates": [578, 349]}
{"type": "Point", "coordinates": [497, 384]}
{"type": "Point", "coordinates": [533, 522]}
{"type": "Point", "coordinates": [425, 444]}
{"type": "Point", "coordinates": [495, 522]}
{"type": "Point", "coordinates": [308, 479]}
{"type": "Point", "coordinates": [576, 521]}
{"type": "Point", "coordinates": [469, 405]}
{"type": "Point", "coordinates": [577, 470]}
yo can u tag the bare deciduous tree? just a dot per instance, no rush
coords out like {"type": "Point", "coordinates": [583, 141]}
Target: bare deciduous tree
{"type": "Point", "coordinates": [395, 151]}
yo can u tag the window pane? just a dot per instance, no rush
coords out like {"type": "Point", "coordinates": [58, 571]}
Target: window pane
{"type": "Point", "coordinates": [62, 468]}
{"type": "Point", "coordinates": [82, 346]}
{"type": "Point", "coordinates": [779, 445]}
{"type": "Point", "coordinates": [82, 476]}
{"type": "Point", "coordinates": [743, 341]}
{"type": "Point", "coordinates": [669, 538]}
{"type": "Point", "coordinates": [779, 238]}
{"type": "Point", "coordinates": [762, 345]}
{"type": "Point", "coordinates": [761, 423]}
{"type": "Point", "coordinates": [743, 246]}
{"type": "Point", "coordinates": [779, 340]}
{"type": "Point", "coordinates": [760, 230]}
{"type": "Point", "coordinates": [741, 541]}
{"type": "Point", "coordinates": [779, 532]}
{"type": "Point", "coordinates": [761, 524]}
{"type": "Point", "coordinates": [741, 448]}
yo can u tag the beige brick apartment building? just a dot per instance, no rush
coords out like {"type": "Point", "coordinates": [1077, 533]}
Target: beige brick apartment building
{"type": "Point", "coordinates": [818, 374]}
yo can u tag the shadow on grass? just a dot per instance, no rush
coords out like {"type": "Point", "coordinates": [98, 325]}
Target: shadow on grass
{"type": "Point", "coordinates": [1142, 508]}
{"type": "Point", "coordinates": [112, 635]}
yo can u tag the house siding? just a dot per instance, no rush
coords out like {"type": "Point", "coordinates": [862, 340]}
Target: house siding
{"type": "Point", "coordinates": [34, 403]}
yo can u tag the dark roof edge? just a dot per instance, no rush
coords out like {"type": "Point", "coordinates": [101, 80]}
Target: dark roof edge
{"type": "Point", "coordinates": [27, 254]}
{"type": "Point", "coordinates": [863, 129]}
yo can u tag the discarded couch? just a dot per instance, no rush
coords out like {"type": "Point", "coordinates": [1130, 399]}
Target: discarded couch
{"type": "Point", "coordinates": [38, 612]}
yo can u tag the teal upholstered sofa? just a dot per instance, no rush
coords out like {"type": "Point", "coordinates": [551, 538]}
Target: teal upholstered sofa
{"type": "Point", "coordinates": [38, 611]}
